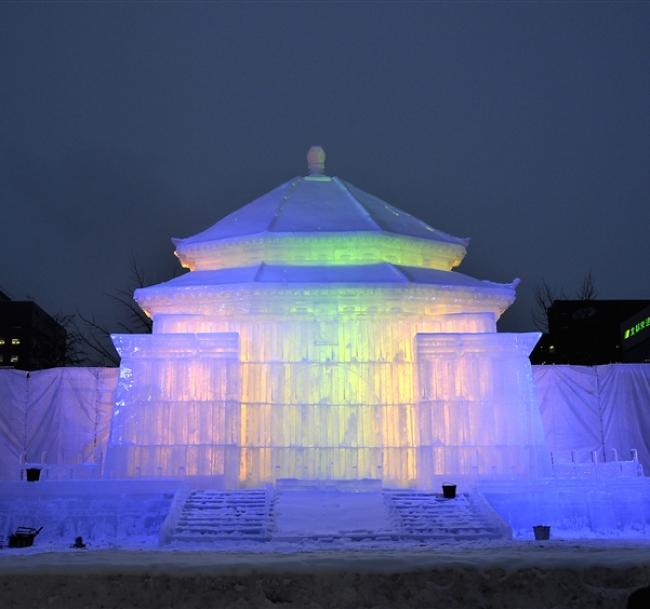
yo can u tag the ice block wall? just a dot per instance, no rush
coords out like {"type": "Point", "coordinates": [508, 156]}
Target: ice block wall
{"type": "Point", "coordinates": [327, 390]}
{"type": "Point", "coordinates": [332, 399]}
{"type": "Point", "coordinates": [177, 411]}
{"type": "Point", "coordinates": [328, 383]}
{"type": "Point", "coordinates": [477, 413]}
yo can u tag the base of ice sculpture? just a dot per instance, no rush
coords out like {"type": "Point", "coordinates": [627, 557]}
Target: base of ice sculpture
{"type": "Point", "coordinates": [142, 513]}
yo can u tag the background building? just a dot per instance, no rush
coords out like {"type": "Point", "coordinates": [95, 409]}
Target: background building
{"type": "Point", "coordinates": [592, 332]}
{"type": "Point", "coordinates": [635, 337]}
{"type": "Point", "coordinates": [30, 339]}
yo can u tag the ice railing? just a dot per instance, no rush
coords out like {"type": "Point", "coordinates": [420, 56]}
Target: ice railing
{"type": "Point", "coordinates": [564, 464]}
{"type": "Point", "coordinates": [88, 470]}
{"type": "Point", "coordinates": [605, 464]}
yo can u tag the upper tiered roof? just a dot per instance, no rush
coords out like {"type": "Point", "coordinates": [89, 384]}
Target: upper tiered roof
{"type": "Point", "coordinates": [321, 233]}
{"type": "Point", "coordinates": [319, 204]}
{"type": "Point", "coordinates": [318, 208]}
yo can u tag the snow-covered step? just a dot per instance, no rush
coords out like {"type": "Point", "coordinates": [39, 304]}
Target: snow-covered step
{"type": "Point", "coordinates": [325, 514]}
{"type": "Point", "coordinates": [429, 516]}
{"type": "Point", "coordinates": [211, 515]}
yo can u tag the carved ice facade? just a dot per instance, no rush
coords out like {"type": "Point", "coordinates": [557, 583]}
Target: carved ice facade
{"type": "Point", "coordinates": [321, 333]}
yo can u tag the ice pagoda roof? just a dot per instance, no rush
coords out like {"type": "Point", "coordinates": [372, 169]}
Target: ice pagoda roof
{"type": "Point", "coordinates": [320, 232]}
{"type": "Point", "coordinates": [318, 204]}
{"type": "Point", "coordinates": [319, 220]}
{"type": "Point", "coordinates": [442, 288]}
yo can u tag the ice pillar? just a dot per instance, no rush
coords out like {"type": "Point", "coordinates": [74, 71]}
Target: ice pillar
{"type": "Point", "coordinates": [177, 411]}
{"type": "Point", "coordinates": [477, 412]}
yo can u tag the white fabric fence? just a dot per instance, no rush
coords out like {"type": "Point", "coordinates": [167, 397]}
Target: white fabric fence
{"type": "Point", "coordinates": [59, 416]}
{"type": "Point", "coordinates": [597, 409]}
{"type": "Point", "coordinates": [62, 416]}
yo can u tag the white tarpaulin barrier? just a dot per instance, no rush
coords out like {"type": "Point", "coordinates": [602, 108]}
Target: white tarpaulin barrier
{"type": "Point", "coordinates": [625, 402]}
{"type": "Point", "coordinates": [54, 417]}
{"type": "Point", "coordinates": [597, 409]}
{"type": "Point", "coordinates": [568, 398]}
{"type": "Point", "coordinates": [13, 437]}
{"type": "Point", "coordinates": [62, 416]}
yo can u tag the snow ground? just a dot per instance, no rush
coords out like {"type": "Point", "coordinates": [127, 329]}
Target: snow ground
{"type": "Point", "coordinates": [524, 575]}
{"type": "Point", "coordinates": [123, 566]}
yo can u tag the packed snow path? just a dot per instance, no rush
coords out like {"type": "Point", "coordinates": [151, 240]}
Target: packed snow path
{"type": "Point", "coordinates": [328, 515]}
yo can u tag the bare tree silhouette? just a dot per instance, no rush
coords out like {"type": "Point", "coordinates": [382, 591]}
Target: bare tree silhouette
{"type": "Point", "coordinates": [545, 294]}
{"type": "Point", "coordinates": [90, 339]}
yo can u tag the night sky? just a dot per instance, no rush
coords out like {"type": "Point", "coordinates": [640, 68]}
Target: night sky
{"type": "Point", "coordinates": [523, 126]}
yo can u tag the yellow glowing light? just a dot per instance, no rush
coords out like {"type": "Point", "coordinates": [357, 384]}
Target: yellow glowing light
{"type": "Point", "coordinates": [333, 249]}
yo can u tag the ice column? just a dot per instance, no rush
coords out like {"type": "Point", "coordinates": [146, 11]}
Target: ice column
{"type": "Point", "coordinates": [477, 412]}
{"type": "Point", "coordinates": [177, 410]}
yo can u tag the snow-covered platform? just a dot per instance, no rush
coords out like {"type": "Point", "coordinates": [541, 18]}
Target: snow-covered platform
{"type": "Point", "coordinates": [104, 512]}
{"type": "Point", "coordinates": [295, 512]}
{"type": "Point", "coordinates": [313, 515]}
{"type": "Point", "coordinates": [575, 508]}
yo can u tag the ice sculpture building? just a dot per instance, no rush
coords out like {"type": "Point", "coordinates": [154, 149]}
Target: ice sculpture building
{"type": "Point", "coordinates": [321, 333]}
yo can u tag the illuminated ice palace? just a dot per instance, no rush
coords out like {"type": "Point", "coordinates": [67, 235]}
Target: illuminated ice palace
{"type": "Point", "coordinates": [323, 334]}
{"type": "Point", "coordinates": [315, 377]}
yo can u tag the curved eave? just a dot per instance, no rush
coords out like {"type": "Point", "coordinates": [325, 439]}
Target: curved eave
{"type": "Point", "coordinates": [316, 249]}
{"type": "Point", "coordinates": [270, 278]}
{"type": "Point", "coordinates": [188, 243]}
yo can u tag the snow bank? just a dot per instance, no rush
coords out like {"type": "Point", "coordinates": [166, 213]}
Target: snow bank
{"type": "Point", "coordinates": [104, 512]}
{"type": "Point", "coordinates": [522, 575]}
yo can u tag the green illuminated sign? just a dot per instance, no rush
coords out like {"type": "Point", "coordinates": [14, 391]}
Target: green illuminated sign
{"type": "Point", "coordinates": [640, 326]}
{"type": "Point", "coordinates": [636, 330]}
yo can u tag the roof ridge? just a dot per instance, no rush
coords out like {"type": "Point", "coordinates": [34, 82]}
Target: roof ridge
{"type": "Point", "coordinates": [396, 210]}
{"type": "Point", "coordinates": [285, 197]}
{"type": "Point", "coordinates": [356, 201]}
{"type": "Point", "coordinates": [258, 272]}
{"type": "Point", "coordinates": [399, 271]}
{"type": "Point", "coordinates": [464, 241]}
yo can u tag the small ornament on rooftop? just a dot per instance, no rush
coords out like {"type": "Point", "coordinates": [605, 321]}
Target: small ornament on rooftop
{"type": "Point", "coordinates": [316, 161]}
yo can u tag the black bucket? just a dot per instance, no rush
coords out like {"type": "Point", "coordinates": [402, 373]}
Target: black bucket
{"type": "Point", "coordinates": [449, 491]}
{"type": "Point", "coordinates": [542, 532]}
{"type": "Point", "coordinates": [33, 474]}
{"type": "Point", "coordinates": [23, 537]}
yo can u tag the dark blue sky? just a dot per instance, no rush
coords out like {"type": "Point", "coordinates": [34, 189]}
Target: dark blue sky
{"type": "Point", "coordinates": [524, 126]}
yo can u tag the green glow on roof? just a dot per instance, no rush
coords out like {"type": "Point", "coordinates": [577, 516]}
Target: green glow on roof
{"type": "Point", "coordinates": [337, 249]}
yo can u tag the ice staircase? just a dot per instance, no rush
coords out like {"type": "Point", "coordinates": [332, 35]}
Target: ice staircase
{"type": "Point", "coordinates": [430, 517]}
{"type": "Point", "coordinates": [330, 516]}
{"type": "Point", "coordinates": [208, 516]}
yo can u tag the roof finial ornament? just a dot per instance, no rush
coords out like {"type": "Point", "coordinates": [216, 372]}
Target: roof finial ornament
{"type": "Point", "coordinates": [316, 161]}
